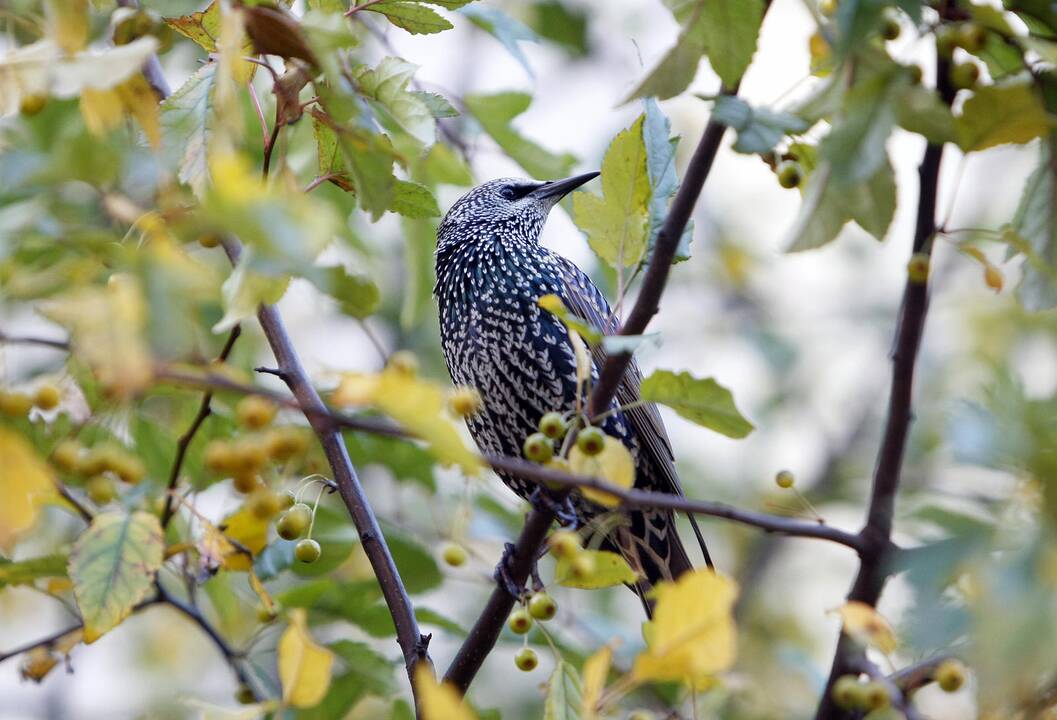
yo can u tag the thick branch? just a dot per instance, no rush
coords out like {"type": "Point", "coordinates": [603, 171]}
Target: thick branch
{"type": "Point", "coordinates": [205, 409]}
{"type": "Point", "coordinates": [874, 568]}
{"type": "Point", "coordinates": [412, 643]}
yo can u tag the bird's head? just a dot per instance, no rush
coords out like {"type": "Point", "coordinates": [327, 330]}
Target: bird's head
{"type": "Point", "coordinates": [514, 207]}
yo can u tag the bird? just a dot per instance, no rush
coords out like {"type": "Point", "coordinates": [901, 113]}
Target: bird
{"type": "Point", "coordinates": [491, 272]}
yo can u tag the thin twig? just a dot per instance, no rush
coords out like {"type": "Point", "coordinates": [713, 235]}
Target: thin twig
{"type": "Point", "coordinates": [69, 497]}
{"type": "Point", "coordinates": [874, 568]}
{"type": "Point", "coordinates": [205, 409]}
{"type": "Point", "coordinates": [32, 340]}
{"type": "Point", "coordinates": [152, 68]}
{"type": "Point", "coordinates": [356, 8]}
{"type": "Point", "coordinates": [919, 674]}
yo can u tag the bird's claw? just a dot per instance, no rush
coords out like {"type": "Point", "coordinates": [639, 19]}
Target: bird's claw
{"type": "Point", "coordinates": [563, 509]}
{"type": "Point", "coordinates": [504, 573]}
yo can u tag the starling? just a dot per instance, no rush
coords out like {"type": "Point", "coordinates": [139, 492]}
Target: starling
{"type": "Point", "coordinates": [491, 273]}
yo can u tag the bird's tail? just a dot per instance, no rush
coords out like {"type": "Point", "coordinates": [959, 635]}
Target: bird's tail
{"type": "Point", "coordinates": [652, 547]}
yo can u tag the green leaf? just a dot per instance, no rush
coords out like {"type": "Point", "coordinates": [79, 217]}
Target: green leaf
{"type": "Point", "coordinates": [441, 165]}
{"type": "Point", "coordinates": [330, 159]}
{"type": "Point", "coordinates": [729, 29]}
{"type": "Point", "coordinates": [413, 200]}
{"type": "Point", "coordinates": [357, 295]}
{"type": "Point", "coordinates": [677, 68]}
{"type": "Point", "coordinates": [919, 110]}
{"type": "Point", "coordinates": [387, 84]}
{"type": "Point", "coordinates": [563, 694]}
{"type": "Point", "coordinates": [759, 129]}
{"type": "Point", "coordinates": [245, 290]}
{"type": "Point", "coordinates": [609, 569]}
{"type": "Point", "coordinates": [24, 572]}
{"type": "Point", "coordinates": [562, 24]}
{"type": "Point", "coordinates": [660, 165]}
{"type": "Point", "coordinates": [416, 19]}
{"type": "Point", "coordinates": [827, 207]}
{"type": "Point", "coordinates": [508, 31]}
{"type": "Point", "coordinates": [855, 147]}
{"type": "Point", "coordinates": [186, 124]}
{"type": "Point", "coordinates": [704, 402]}
{"type": "Point", "coordinates": [426, 616]}
{"type": "Point", "coordinates": [617, 223]}
{"type": "Point", "coordinates": [999, 114]}
{"type": "Point", "coordinates": [407, 462]}
{"type": "Point", "coordinates": [337, 537]}
{"type": "Point", "coordinates": [1036, 222]}
{"type": "Point", "coordinates": [416, 564]}
{"type": "Point", "coordinates": [355, 602]}
{"type": "Point", "coordinates": [438, 105]}
{"type": "Point", "coordinates": [369, 157]}
{"type": "Point", "coordinates": [495, 113]}
{"type": "Point", "coordinates": [112, 566]}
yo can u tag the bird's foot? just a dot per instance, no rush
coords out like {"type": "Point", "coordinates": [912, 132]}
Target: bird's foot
{"type": "Point", "coordinates": [504, 573]}
{"type": "Point", "coordinates": [563, 510]}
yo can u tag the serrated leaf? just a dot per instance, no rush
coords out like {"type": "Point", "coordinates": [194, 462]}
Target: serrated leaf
{"type": "Point", "coordinates": [919, 110]}
{"type": "Point", "coordinates": [202, 27]}
{"type": "Point", "coordinates": [691, 637]}
{"type": "Point", "coordinates": [369, 157]}
{"type": "Point", "coordinates": [703, 401]}
{"type": "Point", "coordinates": [25, 486]}
{"type": "Point", "coordinates": [186, 122]}
{"type": "Point", "coordinates": [614, 465]}
{"type": "Point", "coordinates": [415, 563]}
{"type": "Point", "coordinates": [617, 223]}
{"type": "Point", "coordinates": [495, 113]}
{"type": "Point", "coordinates": [413, 200]}
{"type": "Point", "coordinates": [1000, 114]}
{"type": "Point", "coordinates": [759, 129]}
{"type": "Point", "coordinates": [1035, 222]}
{"type": "Point", "coordinates": [676, 70]}
{"type": "Point", "coordinates": [608, 569]}
{"type": "Point", "coordinates": [729, 30]}
{"type": "Point", "coordinates": [443, 166]}
{"type": "Point", "coordinates": [438, 105]}
{"type": "Point", "coordinates": [387, 84]}
{"type": "Point", "coordinates": [304, 665]}
{"type": "Point", "coordinates": [112, 565]}
{"type": "Point", "coordinates": [415, 18]}
{"type": "Point", "coordinates": [660, 165]}
{"type": "Point", "coordinates": [26, 571]}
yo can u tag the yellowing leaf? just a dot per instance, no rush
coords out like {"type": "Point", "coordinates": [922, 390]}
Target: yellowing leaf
{"type": "Point", "coordinates": [614, 465]}
{"type": "Point", "coordinates": [112, 566]}
{"type": "Point", "coordinates": [387, 84]}
{"type": "Point", "coordinates": [692, 635]}
{"type": "Point", "coordinates": [596, 670]}
{"type": "Point", "coordinates": [106, 325]}
{"type": "Point", "coordinates": [554, 305]}
{"type": "Point", "coordinates": [439, 701]}
{"type": "Point", "coordinates": [416, 404]}
{"type": "Point", "coordinates": [992, 275]}
{"type": "Point", "coordinates": [866, 626]}
{"type": "Point", "coordinates": [233, 45]}
{"type": "Point", "coordinates": [25, 485]}
{"type": "Point", "coordinates": [999, 114]}
{"type": "Point", "coordinates": [105, 109]}
{"type": "Point", "coordinates": [250, 532]}
{"type": "Point", "coordinates": [67, 23]}
{"type": "Point", "coordinates": [607, 569]}
{"type": "Point", "coordinates": [304, 665]}
{"type": "Point", "coordinates": [617, 223]}
{"type": "Point", "coordinates": [704, 401]}
{"type": "Point", "coordinates": [203, 27]}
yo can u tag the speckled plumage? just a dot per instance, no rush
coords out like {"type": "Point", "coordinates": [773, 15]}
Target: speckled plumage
{"type": "Point", "coordinates": [491, 272]}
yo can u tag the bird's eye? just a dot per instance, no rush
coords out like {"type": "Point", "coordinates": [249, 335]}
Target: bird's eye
{"type": "Point", "coordinates": [507, 192]}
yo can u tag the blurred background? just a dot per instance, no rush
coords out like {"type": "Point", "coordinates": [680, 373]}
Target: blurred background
{"type": "Point", "coordinates": [802, 340]}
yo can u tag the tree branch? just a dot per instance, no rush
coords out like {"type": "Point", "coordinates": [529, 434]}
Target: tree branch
{"type": "Point", "coordinates": [205, 409]}
{"type": "Point", "coordinates": [874, 568]}
{"type": "Point", "coordinates": [412, 643]}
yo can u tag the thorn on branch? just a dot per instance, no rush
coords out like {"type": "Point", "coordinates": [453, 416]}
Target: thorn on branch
{"type": "Point", "coordinates": [273, 371]}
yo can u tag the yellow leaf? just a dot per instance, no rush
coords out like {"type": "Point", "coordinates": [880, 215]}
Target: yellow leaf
{"type": "Point", "coordinates": [614, 465]}
{"type": "Point", "coordinates": [439, 701]}
{"type": "Point", "coordinates": [68, 23]}
{"type": "Point", "coordinates": [865, 625]}
{"type": "Point", "coordinates": [139, 101]}
{"type": "Point", "coordinates": [249, 531]}
{"type": "Point", "coordinates": [692, 636]}
{"type": "Point", "coordinates": [605, 570]}
{"type": "Point", "coordinates": [418, 405]}
{"type": "Point", "coordinates": [25, 485]}
{"type": "Point", "coordinates": [101, 110]}
{"type": "Point", "coordinates": [596, 670]}
{"type": "Point", "coordinates": [106, 326]}
{"type": "Point", "coordinates": [304, 665]}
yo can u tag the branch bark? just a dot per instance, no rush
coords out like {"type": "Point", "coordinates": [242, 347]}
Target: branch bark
{"type": "Point", "coordinates": [874, 568]}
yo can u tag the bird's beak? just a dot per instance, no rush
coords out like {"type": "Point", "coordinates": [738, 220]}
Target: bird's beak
{"type": "Point", "coordinates": [558, 189]}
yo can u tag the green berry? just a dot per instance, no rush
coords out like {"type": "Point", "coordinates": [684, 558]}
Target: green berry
{"type": "Point", "coordinates": [565, 544]}
{"type": "Point", "coordinates": [890, 29]}
{"type": "Point", "coordinates": [591, 441]}
{"type": "Point", "coordinates": [972, 37]}
{"type": "Point", "coordinates": [464, 401]}
{"type": "Point", "coordinates": [307, 551]}
{"type": "Point", "coordinates": [789, 174]}
{"type": "Point", "coordinates": [32, 104]}
{"type": "Point", "coordinates": [526, 660]}
{"type": "Point", "coordinates": [965, 75]}
{"type": "Point", "coordinates": [846, 692]}
{"type": "Point", "coordinates": [538, 448]}
{"type": "Point", "coordinates": [950, 675]}
{"type": "Point", "coordinates": [875, 695]}
{"type": "Point", "coordinates": [946, 41]}
{"type": "Point", "coordinates": [916, 74]}
{"type": "Point", "coordinates": [454, 554]}
{"type": "Point", "coordinates": [66, 455]}
{"type": "Point", "coordinates": [101, 490]}
{"type": "Point", "coordinates": [293, 523]}
{"type": "Point", "coordinates": [784, 479]}
{"type": "Point", "coordinates": [244, 695]}
{"type": "Point", "coordinates": [918, 268]}
{"type": "Point", "coordinates": [267, 614]}
{"type": "Point", "coordinates": [519, 621]}
{"type": "Point", "coordinates": [47, 397]}
{"type": "Point", "coordinates": [542, 606]}
{"type": "Point", "coordinates": [582, 566]}
{"type": "Point", "coordinates": [553, 425]}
